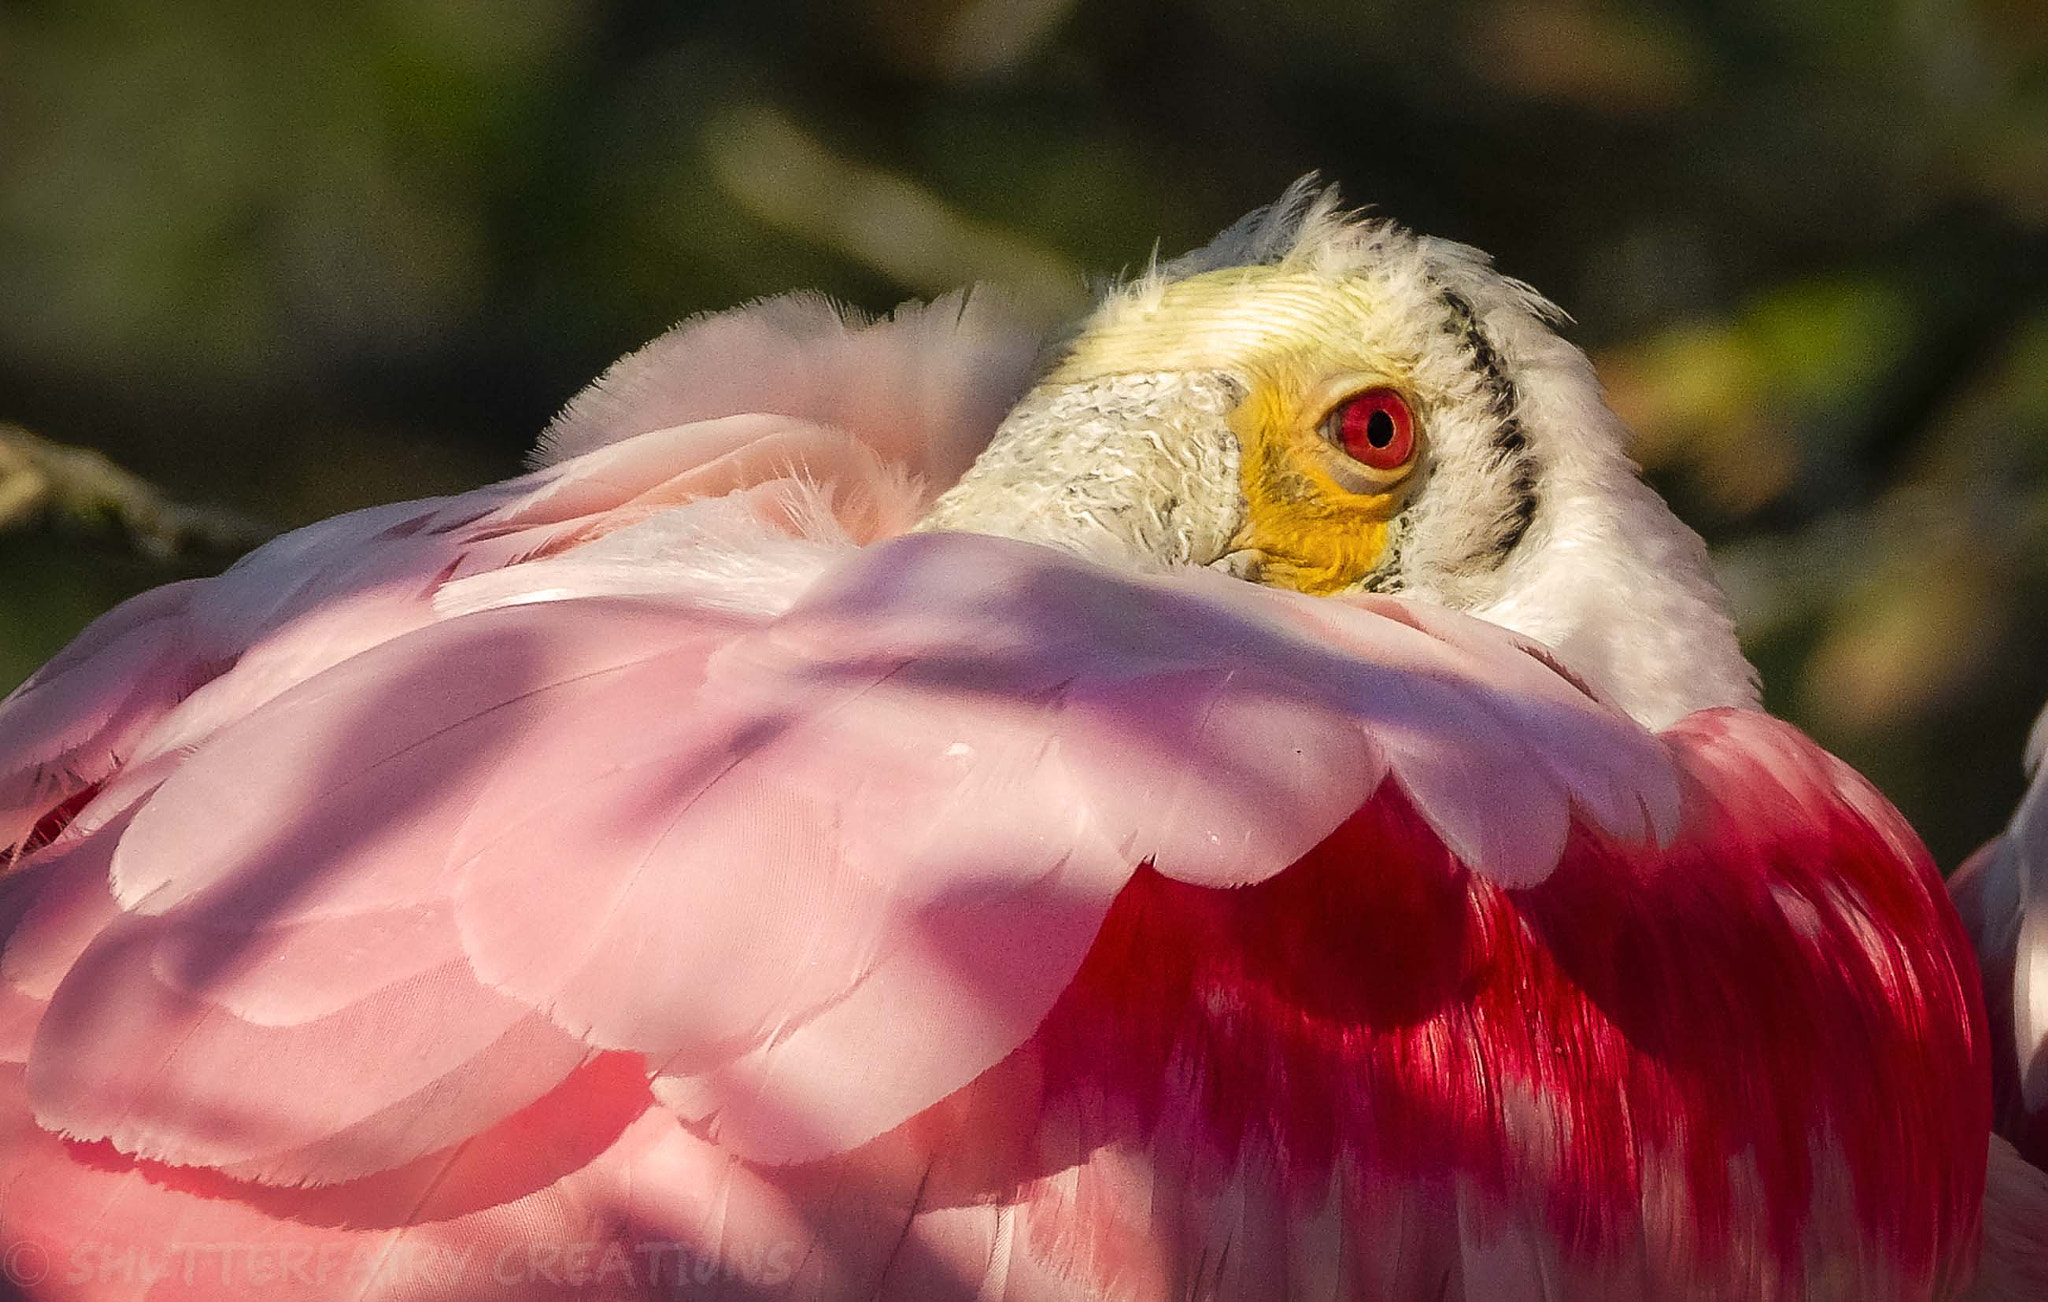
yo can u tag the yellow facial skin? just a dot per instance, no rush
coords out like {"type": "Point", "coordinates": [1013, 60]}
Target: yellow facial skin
{"type": "Point", "coordinates": [1316, 520]}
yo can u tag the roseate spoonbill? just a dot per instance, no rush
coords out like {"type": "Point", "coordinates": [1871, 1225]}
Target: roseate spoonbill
{"type": "Point", "coordinates": [1256, 800]}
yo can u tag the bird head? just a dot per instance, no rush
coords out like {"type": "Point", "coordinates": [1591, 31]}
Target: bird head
{"type": "Point", "coordinates": [1328, 403]}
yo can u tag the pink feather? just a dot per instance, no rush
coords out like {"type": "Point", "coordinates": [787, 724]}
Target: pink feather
{"type": "Point", "coordinates": [940, 917]}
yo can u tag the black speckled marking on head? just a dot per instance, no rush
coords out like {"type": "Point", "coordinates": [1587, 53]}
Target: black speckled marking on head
{"type": "Point", "coordinates": [1389, 578]}
{"type": "Point", "coordinates": [1510, 444]}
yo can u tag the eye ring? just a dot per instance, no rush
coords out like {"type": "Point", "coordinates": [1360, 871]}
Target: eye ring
{"type": "Point", "coordinates": [1374, 427]}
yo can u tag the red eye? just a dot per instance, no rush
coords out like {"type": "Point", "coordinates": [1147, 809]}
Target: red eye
{"type": "Point", "coordinates": [1374, 427]}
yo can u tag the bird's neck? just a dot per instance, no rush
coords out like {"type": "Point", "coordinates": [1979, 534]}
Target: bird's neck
{"type": "Point", "coordinates": [1613, 582]}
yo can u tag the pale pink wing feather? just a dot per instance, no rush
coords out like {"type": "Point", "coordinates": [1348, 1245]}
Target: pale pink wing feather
{"type": "Point", "coordinates": [915, 907]}
{"type": "Point", "coordinates": [491, 1219]}
{"type": "Point", "coordinates": [786, 391]}
{"type": "Point", "coordinates": [65, 727]}
{"type": "Point", "coordinates": [923, 388]}
{"type": "Point", "coordinates": [770, 854]}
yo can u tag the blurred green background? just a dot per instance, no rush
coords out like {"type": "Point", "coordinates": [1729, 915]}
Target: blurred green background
{"type": "Point", "coordinates": [289, 260]}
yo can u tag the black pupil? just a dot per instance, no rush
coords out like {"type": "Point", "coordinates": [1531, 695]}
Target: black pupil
{"type": "Point", "coordinates": [1379, 428]}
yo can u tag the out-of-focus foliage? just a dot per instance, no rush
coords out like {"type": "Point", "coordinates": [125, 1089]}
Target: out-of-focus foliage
{"type": "Point", "coordinates": [294, 259]}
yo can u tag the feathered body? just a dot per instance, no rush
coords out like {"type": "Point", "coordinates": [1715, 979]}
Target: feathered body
{"type": "Point", "coordinates": [757, 855]}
